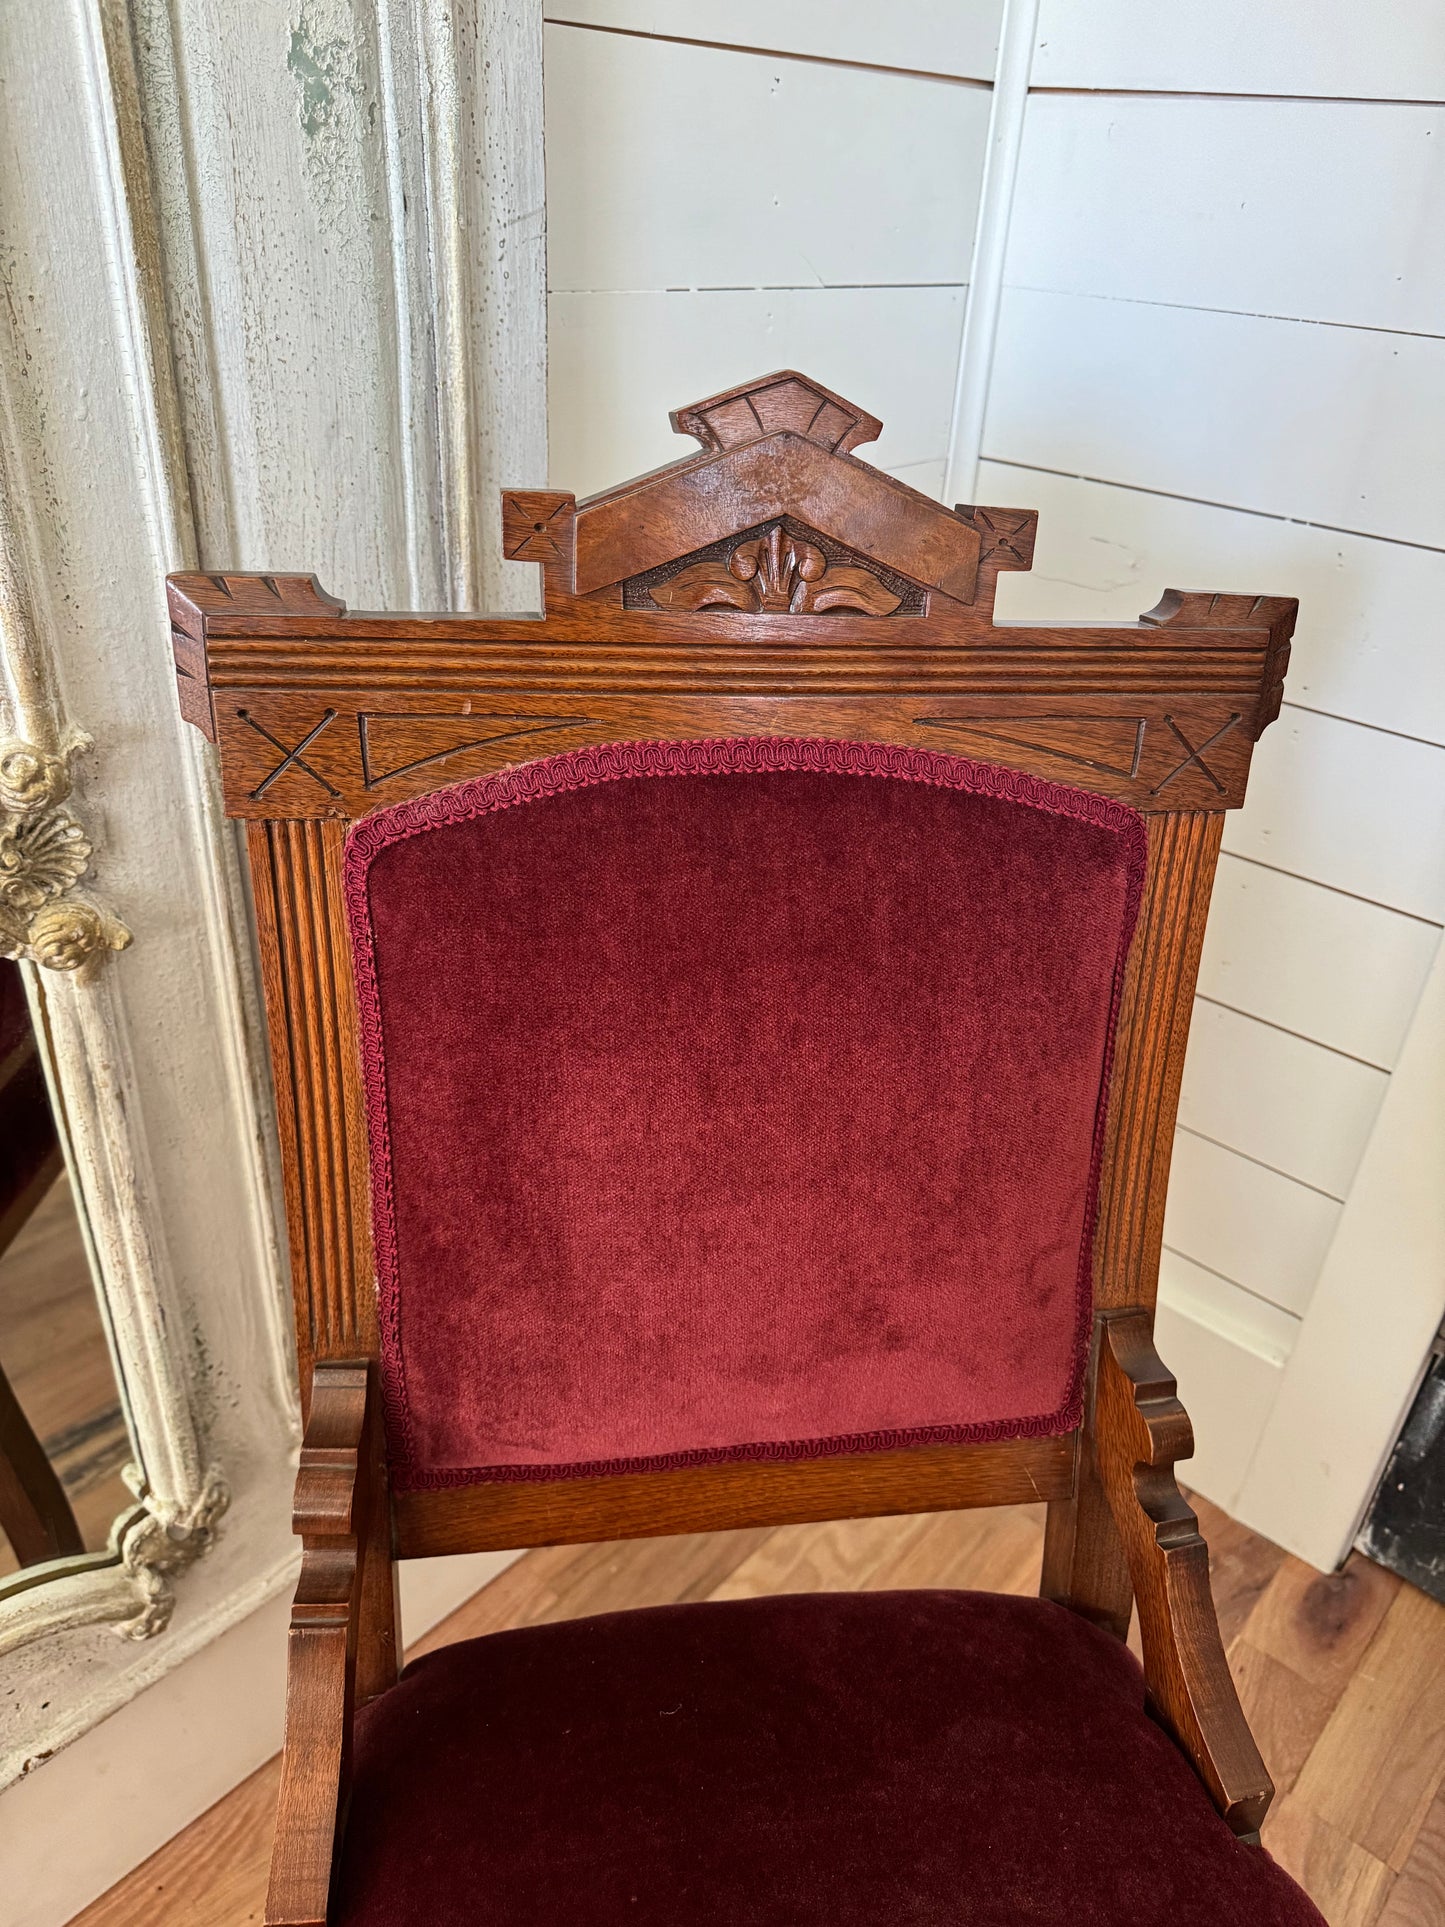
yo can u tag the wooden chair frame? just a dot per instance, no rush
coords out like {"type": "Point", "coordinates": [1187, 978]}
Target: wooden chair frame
{"type": "Point", "coordinates": [771, 584]}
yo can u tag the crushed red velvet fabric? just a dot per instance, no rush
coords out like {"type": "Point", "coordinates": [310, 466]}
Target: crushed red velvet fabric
{"type": "Point", "coordinates": [734, 1099]}
{"type": "Point", "coordinates": [921, 1759]}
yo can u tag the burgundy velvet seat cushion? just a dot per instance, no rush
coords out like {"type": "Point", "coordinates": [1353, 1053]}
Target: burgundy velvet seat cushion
{"type": "Point", "coordinates": [920, 1759]}
{"type": "Point", "coordinates": [734, 1098]}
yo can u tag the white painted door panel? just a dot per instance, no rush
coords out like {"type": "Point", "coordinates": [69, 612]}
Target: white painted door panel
{"type": "Point", "coordinates": [1367, 645]}
{"type": "Point", "coordinates": [812, 174]}
{"type": "Point", "coordinates": [1333, 425]}
{"type": "Point", "coordinates": [1391, 49]}
{"type": "Point", "coordinates": [320, 166]}
{"type": "Point", "coordinates": [621, 361]}
{"type": "Point", "coordinates": [1265, 207]}
{"type": "Point", "coordinates": [933, 36]}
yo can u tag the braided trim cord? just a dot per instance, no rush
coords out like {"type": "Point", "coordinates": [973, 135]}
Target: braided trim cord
{"type": "Point", "coordinates": [622, 761]}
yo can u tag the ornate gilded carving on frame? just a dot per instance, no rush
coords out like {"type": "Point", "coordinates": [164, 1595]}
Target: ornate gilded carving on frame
{"type": "Point", "coordinates": [44, 852]}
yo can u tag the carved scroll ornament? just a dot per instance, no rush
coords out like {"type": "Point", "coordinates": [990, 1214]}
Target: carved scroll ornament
{"type": "Point", "coordinates": [44, 851]}
{"type": "Point", "coordinates": [779, 574]}
{"type": "Point", "coordinates": [154, 1550]}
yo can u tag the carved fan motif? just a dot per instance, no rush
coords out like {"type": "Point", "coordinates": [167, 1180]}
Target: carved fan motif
{"type": "Point", "coordinates": [780, 574]}
{"type": "Point", "coordinates": [40, 857]}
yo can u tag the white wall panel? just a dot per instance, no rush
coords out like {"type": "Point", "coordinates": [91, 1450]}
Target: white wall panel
{"type": "Point", "coordinates": [1351, 807]}
{"type": "Point", "coordinates": [1269, 207]}
{"type": "Point", "coordinates": [1338, 970]}
{"type": "Point", "coordinates": [1391, 49]}
{"type": "Point", "coordinates": [936, 36]}
{"type": "Point", "coordinates": [1326, 424]}
{"type": "Point", "coordinates": [1367, 642]}
{"type": "Point", "coordinates": [619, 362]}
{"type": "Point", "coordinates": [1293, 1105]}
{"type": "Point", "coordinates": [1266, 1232]}
{"type": "Point", "coordinates": [1191, 384]}
{"type": "Point", "coordinates": [811, 174]}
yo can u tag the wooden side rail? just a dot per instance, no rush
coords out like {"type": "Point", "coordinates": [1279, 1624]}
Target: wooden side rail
{"type": "Point", "coordinates": [1142, 1431]}
{"type": "Point", "coordinates": [333, 1514]}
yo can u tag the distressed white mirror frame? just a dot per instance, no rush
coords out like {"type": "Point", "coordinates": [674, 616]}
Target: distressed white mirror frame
{"type": "Point", "coordinates": [169, 396]}
{"type": "Point", "coordinates": [63, 939]}
{"type": "Point", "coordinates": [168, 1160]}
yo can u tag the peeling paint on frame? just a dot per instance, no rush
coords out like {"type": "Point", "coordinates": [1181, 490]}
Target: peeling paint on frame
{"type": "Point", "coordinates": [337, 110]}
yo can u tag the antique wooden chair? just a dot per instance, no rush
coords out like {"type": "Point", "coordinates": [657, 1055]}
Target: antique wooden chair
{"type": "Point", "coordinates": [767, 1117]}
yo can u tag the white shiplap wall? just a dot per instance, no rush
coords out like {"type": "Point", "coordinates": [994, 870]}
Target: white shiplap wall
{"type": "Point", "coordinates": [1220, 364]}
{"type": "Point", "coordinates": [737, 188]}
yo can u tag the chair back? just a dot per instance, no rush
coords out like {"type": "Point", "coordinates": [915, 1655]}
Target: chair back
{"type": "Point", "coordinates": [716, 1080]}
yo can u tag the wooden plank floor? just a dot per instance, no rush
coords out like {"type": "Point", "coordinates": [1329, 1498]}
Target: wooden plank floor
{"type": "Point", "coordinates": [1343, 1676]}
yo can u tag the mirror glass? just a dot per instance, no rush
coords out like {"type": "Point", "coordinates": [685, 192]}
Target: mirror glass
{"type": "Point", "coordinates": [63, 1434]}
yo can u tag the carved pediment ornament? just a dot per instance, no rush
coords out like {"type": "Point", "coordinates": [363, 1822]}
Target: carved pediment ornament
{"type": "Point", "coordinates": [780, 574]}
{"type": "Point", "coordinates": [778, 449]}
{"type": "Point", "coordinates": [44, 851]}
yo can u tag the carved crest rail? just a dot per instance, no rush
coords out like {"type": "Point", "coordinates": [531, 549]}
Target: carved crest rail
{"type": "Point", "coordinates": [772, 582]}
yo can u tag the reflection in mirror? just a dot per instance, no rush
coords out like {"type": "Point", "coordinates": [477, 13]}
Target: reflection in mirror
{"type": "Point", "coordinates": [63, 1437]}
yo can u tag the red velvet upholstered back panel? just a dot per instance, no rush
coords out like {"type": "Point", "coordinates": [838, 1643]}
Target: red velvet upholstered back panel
{"type": "Point", "coordinates": [734, 1099]}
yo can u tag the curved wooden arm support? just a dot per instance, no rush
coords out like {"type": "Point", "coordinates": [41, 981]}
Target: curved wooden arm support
{"type": "Point", "coordinates": [334, 1517]}
{"type": "Point", "coordinates": [1142, 1431]}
